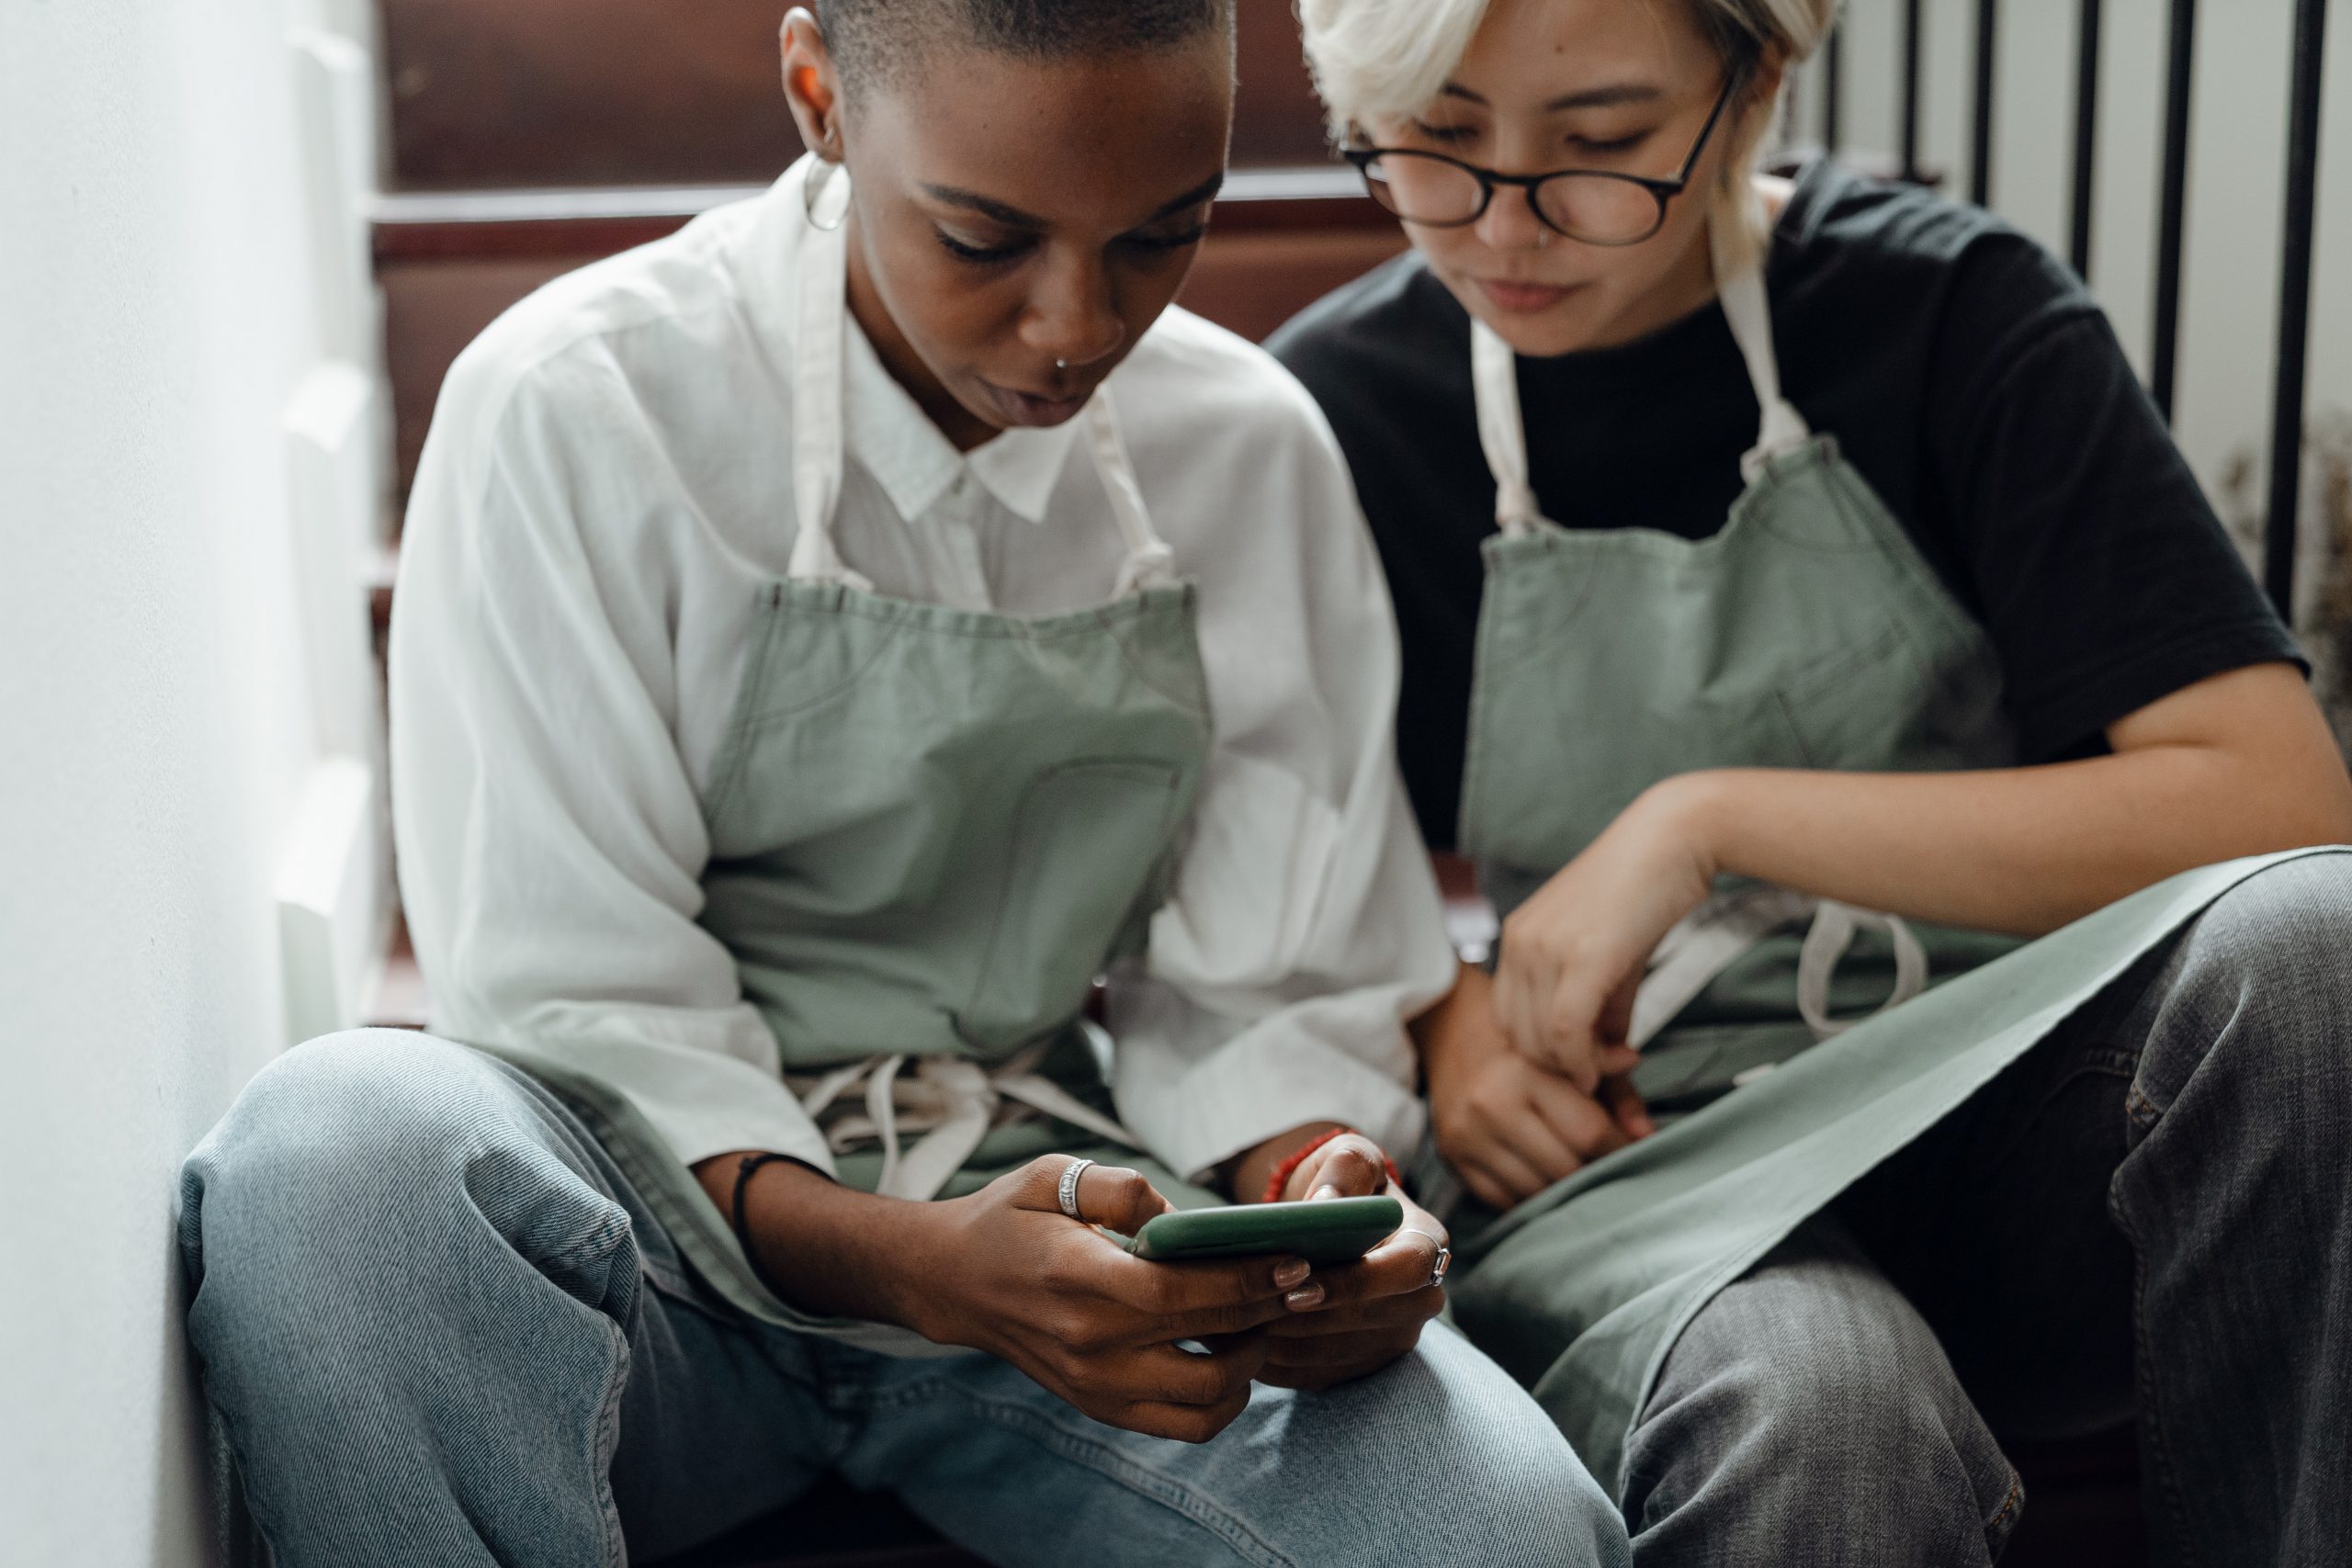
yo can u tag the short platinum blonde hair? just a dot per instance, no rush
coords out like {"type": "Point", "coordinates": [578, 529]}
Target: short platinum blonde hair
{"type": "Point", "coordinates": [1379, 59]}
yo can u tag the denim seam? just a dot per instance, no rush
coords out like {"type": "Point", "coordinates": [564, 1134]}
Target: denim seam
{"type": "Point", "coordinates": [262, 1521]}
{"type": "Point", "coordinates": [1996, 1528]}
{"type": "Point", "coordinates": [2165, 1479]}
{"type": "Point", "coordinates": [1149, 1485]}
{"type": "Point", "coordinates": [608, 1433]}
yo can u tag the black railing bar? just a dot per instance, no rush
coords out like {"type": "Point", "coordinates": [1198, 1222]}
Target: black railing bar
{"type": "Point", "coordinates": [2085, 134]}
{"type": "Point", "coordinates": [1910, 107]}
{"type": "Point", "coordinates": [2294, 307]}
{"type": "Point", "coordinates": [2173, 203]}
{"type": "Point", "coordinates": [1980, 170]}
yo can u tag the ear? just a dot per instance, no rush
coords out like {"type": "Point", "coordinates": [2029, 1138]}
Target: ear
{"type": "Point", "coordinates": [811, 87]}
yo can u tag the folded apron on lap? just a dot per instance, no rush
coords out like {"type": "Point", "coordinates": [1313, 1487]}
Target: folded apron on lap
{"type": "Point", "coordinates": [1582, 1290]}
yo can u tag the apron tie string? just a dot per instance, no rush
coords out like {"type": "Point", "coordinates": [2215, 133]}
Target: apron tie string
{"type": "Point", "coordinates": [1714, 936]}
{"type": "Point", "coordinates": [954, 1104]}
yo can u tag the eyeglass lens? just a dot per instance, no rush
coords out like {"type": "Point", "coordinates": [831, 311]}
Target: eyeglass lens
{"type": "Point", "coordinates": [1593, 208]}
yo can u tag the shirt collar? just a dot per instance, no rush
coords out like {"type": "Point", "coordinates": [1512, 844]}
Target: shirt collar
{"type": "Point", "coordinates": [888, 433]}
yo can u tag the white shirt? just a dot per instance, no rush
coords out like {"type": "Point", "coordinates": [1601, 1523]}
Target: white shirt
{"type": "Point", "coordinates": [606, 484]}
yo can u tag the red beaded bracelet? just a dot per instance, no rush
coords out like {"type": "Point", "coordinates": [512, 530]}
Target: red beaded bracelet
{"type": "Point", "coordinates": [1284, 1171]}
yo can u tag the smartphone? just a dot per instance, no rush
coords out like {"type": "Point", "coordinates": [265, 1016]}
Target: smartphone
{"type": "Point", "coordinates": [1331, 1230]}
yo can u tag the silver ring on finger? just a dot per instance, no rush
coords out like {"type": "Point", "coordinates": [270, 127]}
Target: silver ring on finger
{"type": "Point", "coordinates": [1068, 1192]}
{"type": "Point", "coordinates": [1443, 1261]}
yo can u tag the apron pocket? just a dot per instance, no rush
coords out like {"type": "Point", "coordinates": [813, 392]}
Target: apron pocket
{"type": "Point", "coordinates": [1087, 841]}
{"type": "Point", "coordinates": [1855, 709]}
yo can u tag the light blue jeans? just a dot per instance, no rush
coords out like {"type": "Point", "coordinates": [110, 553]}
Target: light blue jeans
{"type": "Point", "coordinates": [439, 1327]}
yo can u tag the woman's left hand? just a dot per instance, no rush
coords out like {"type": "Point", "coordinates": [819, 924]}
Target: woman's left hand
{"type": "Point", "coordinates": [1573, 954]}
{"type": "Point", "coordinates": [1351, 1319]}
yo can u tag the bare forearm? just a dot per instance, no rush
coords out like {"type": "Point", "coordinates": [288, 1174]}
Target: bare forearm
{"type": "Point", "coordinates": [2023, 850]}
{"type": "Point", "coordinates": [830, 1249]}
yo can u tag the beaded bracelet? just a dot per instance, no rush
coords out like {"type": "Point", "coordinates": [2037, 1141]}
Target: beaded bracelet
{"type": "Point", "coordinates": [1289, 1167]}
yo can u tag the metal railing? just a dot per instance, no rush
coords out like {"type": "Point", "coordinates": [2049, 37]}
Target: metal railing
{"type": "Point", "coordinates": [2293, 343]}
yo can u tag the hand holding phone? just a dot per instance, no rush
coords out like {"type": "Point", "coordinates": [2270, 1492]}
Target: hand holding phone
{"type": "Point", "coordinates": [1007, 1270]}
{"type": "Point", "coordinates": [1352, 1319]}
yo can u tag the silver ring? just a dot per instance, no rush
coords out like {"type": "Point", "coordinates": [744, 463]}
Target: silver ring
{"type": "Point", "coordinates": [1068, 1193]}
{"type": "Point", "coordinates": [1444, 1258]}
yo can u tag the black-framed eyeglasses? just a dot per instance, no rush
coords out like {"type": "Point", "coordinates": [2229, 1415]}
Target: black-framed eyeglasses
{"type": "Point", "coordinates": [1594, 207]}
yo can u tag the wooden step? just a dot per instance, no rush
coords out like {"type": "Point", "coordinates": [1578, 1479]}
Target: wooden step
{"type": "Point", "coordinates": [528, 93]}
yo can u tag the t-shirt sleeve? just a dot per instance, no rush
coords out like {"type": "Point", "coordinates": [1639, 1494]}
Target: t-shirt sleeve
{"type": "Point", "coordinates": [2100, 571]}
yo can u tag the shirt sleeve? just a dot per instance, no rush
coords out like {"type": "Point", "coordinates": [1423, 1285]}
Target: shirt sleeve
{"type": "Point", "coordinates": [2104, 578]}
{"type": "Point", "coordinates": [551, 841]}
{"type": "Point", "coordinates": [1305, 927]}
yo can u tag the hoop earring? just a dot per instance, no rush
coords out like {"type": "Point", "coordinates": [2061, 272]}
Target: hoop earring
{"type": "Point", "coordinates": [825, 196]}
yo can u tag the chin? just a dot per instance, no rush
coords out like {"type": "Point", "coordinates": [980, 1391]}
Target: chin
{"type": "Point", "coordinates": [1569, 327]}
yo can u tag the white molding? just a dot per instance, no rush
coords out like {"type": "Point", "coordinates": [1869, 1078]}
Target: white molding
{"type": "Point", "coordinates": [332, 913]}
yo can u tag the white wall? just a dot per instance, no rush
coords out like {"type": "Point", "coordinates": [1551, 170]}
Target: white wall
{"type": "Point", "coordinates": [157, 716]}
{"type": "Point", "coordinates": [2238, 164]}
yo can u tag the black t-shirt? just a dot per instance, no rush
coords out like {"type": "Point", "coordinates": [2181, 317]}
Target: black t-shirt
{"type": "Point", "coordinates": [1965, 372]}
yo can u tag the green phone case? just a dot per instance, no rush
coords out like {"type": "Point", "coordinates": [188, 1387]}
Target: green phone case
{"type": "Point", "coordinates": [1332, 1231]}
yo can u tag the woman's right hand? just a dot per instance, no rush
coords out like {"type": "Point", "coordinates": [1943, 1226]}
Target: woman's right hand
{"type": "Point", "coordinates": [1510, 1126]}
{"type": "Point", "coordinates": [1009, 1273]}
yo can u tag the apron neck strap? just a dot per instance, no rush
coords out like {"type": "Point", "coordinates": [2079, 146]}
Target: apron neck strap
{"type": "Point", "coordinates": [1149, 562]}
{"type": "Point", "coordinates": [1494, 380]}
{"type": "Point", "coordinates": [820, 434]}
{"type": "Point", "coordinates": [1739, 285]}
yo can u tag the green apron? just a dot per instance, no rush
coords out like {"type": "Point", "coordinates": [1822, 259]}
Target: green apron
{"type": "Point", "coordinates": [931, 828]}
{"type": "Point", "coordinates": [1808, 633]}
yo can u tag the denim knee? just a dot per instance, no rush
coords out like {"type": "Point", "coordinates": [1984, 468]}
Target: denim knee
{"type": "Point", "coordinates": [1507, 1490]}
{"type": "Point", "coordinates": [1546, 1507]}
{"type": "Point", "coordinates": [1809, 1403]}
{"type": "Point", "coordinates": [382, 1163]}
{"type": "Point", "coordinates": [2266, 965]}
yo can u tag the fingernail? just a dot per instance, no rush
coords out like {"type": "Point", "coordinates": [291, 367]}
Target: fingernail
{"type": "Point", "coordinates": [1290, 1273]}
{"type": "Point", "coordinates": [1305, 1296]}
{"type": "Point", "coordinates": [1326, 1190]}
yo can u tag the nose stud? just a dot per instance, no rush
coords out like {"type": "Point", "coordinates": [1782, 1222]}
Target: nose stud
{"type": "Point", "coordinates": [1061, 364]}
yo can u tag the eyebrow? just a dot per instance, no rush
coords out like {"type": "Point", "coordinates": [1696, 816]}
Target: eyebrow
{"type": "Point", "coordinates": [1001, 212]}
{"type": "Point", "coordinates": [1590, 98]}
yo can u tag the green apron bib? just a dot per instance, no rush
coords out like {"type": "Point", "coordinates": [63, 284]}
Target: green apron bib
{"type": "Point", "coordinates": [931, 828]}
{"type": "Point", "coordinates": [1808, 633]}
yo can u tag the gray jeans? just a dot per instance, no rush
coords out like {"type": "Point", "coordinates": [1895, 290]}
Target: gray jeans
{"type": "Point", "coordinates": [2149, 1216]}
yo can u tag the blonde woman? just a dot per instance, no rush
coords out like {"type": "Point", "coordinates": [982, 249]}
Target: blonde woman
{"type": "Point", "coordinates": [1847, 628]}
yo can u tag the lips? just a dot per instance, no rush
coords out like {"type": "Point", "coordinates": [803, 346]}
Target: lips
{"type": "Point", "coordinates": [1519, 299]}
{"type": "Point", "coordinates": [1030, 410]}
